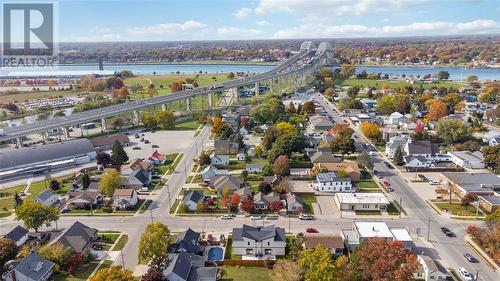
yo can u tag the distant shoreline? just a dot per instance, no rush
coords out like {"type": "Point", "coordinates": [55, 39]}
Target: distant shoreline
{"type": "Point", "coordinates": [422, 66]}
{"type": "Point", "coordinates": [175, 63]}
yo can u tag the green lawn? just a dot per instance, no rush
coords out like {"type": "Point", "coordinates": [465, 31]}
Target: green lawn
{"type": "Point", "coordinates": [169, 159]}
{"type": "Point", "coordinates": [392, 210]}
{"type": "Point", "coordinates": [367, 184]}
{"type": "Point", "coordinates": [109, 238]}
{"type": "Point", "coordinates": [121, 243]}
{"type": "Point", "coordinates": [393, 84]}
{"type": "Point", "coordinates": [174, 206]}
{"type": "Point", "coordinates": [83, 272]}
{"type": "Point", "coordinates": [307, 201]}
{"type": "Point", "coordinates": [189, 125]}
{"type": "Point", "coordinates": [368, 212]}
{"type": "Point", "coordinates": [245, 273]}
{"type": "Point", "coordinates": [457, 209]}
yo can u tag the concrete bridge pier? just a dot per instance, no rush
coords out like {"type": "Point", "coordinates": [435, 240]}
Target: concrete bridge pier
{"type": "Point", "coordinates": [188, 104]}
{"type": "Point", "coordinates": [210, 101]}
{"type": "Point", "coordinates": [104, 126]}
{"type": "Point", "coordinates": [163, 107]}
{"type": "Point", "coordinates": [19, 142]}
{"type": "Point", "coordinates": [136, 117]}
{"type": "Point", "coordinates": [257, 89]}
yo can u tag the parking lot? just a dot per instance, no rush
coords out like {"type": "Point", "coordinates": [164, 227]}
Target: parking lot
{"type": "Point", "coordinates": [327, 206]}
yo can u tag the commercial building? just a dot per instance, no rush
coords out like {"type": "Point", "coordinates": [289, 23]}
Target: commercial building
{"type": "Point", "coordinates": [467, 159]}
{"type": "Point", "coordinates": [362, 231]}
{"type": "Point", "coordinates": [361, 201]}
{"type": "Point", "coordinates": [472, 183]}
{"type": "Point", "coordinates": [42, 159]}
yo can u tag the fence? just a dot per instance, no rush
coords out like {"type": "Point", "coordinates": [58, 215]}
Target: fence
{"type": "Point", "coordinates": [258, 263]}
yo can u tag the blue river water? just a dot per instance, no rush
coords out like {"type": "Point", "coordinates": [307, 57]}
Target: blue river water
{"type": "Point", "coordinates": [456, 73]}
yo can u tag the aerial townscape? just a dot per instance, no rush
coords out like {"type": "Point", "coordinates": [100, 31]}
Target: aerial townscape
{"type": "Point", "coordinates": [321, 140]}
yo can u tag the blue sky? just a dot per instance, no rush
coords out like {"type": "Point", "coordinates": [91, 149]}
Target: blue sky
{"type": "Point", "coordinates": [171, 20]}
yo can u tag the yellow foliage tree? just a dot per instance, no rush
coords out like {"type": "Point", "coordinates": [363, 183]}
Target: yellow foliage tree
{"type": "Point", "coordinates": [110, 181]}
{"type": "Point", "coordinates": [370, 130]}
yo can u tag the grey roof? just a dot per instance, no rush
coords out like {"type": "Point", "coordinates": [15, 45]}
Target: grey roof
{"type": "Point", "coordinates": [422, 147]}
{"type": "Point", "coordinates": [227, 181]}
{"type": "Point", "coordinates": [474, 182]}
{"type": "Point", "coordinates": [324, 157]}
{"type": "Point", "coordinates": [141, 175]}
{"type": "Point", "coordinates": [78, 236]}
{"type": "Point", "coordinates": [267, 198]}
{"type": "Point", "coordinates": [34, 266]}
{"type": "Point", "coordinates": [244, 192]}
{"type": "Point", "coordinates": [292, 199]}
{"type": "Point", "coordinates": [187, 241]}
{"type": "Point", "coordinates": [259, 233]}
{"type": "Point", "coordinates": [254, 166]}
{"type": "Point", "coordinates": [468, 156]}
{"type": "Point", "coordinates": [491, 199]}
{"type": "Point", "coordinates": [433, 265]}
{"type": "Point", "coordinates": [330, 177]}
{"type": "Point", "coordinates": [409, 158]}
{"type": "Point", "coordinates": [46, 194]}
{"type": "Point", "coordinates": [194, 195]}
{"type": "Point", "coordinates": [41, 154]}
{"type": "Point", "coordinates": [17, 233]}
{"type": "Point", "coordinates": [187, 266]}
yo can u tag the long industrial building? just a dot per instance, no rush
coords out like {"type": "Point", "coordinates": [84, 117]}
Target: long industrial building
{"type": "Point", "coordinates": [41, 159]}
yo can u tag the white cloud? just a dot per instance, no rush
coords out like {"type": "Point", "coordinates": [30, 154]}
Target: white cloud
{"type": "Point", "coordinates": [320, 30]}
{"type": "Point", "coordinates": [99, 29]}
{"type": "Point", "coordinates": [231, 32]}
{"type": "Point", "coordinates": [262, 23]}
{"type": "Point", "coordinates": [168, 28]}
{"type": "Point", "coordinates": [108, 37]}
{"type": "Point", "coordinates": [243, 13]}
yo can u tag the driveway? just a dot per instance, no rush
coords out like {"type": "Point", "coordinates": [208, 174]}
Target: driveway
{"type": "Point", "coordinates": [327, 206]}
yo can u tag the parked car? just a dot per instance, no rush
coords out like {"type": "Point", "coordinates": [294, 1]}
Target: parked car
{"type": "Point", "coordinates": [422, 177]}
{"type": "Point", "coordinates": [65, 210]}
{"type": "Point", "coordinates": [255, 217]}
{"type": "Point", "coordinates": [465, 274]}
{"type": "Point", "coordinates": [388, 165]}
{"type": "Point", "coordinates": [144, 189]}
{"type": "Point", "coordinates": [146, 141]}
{"type": "Point", "coordinates": [136, 148]}
{"type": "Point", "coordinates": [272, 217]}
{"type": "Point", "coordinates": [387, 184]}
{"type": "Point", "coordinates": [470, 258]}
{"type": "Point", "coordinates": [136, 136]}
{"type": "Point", "coordinates": [226, 217]}
{"type": "Point", "coordinates": [43, 238]}
{"type": "Point", "coordinates": [390, 189]}
{"type": "Point", "coordinates": [447, 232]}
{"type": "Point", "coordinates": [434, 182]}
{"type": "Point", "coordinates": [155, 146]}
{"type": "Point", "coordinates": [306, 217]}
{"type": "Point", "coordinates": [311, 230]}
{"type": "Point", "coordinates": [372, 153]}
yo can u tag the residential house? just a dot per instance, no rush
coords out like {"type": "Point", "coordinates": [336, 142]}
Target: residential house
{"type": "Point", "coordinates": [350, 168]}
{"type": "Point", "coordinates": [422, 148]}
{"type": "Point", "coordinates": [408, 125]}
{"type": "Point", "coordinates": [332, 242]}
{"type": "Point", "coordinates": [211, 171]}
{"type": "Point", "coordinates": [47, 198]}
{"type": "Point", "coordinates": [137, 178]}
{"type": "Point", "coordinates": [188, 267]}
{"type": "Point", "coordinates": [361, 201]}
{"type": "Point", "coordinates": [294, 203]}
{"type": "Point", "coordinates": [320, 123]}
{"type": "Point", "coordinates": [78, 237]}
{"type": "Point", "coordinates": [124, 198]}
{"type": "Point", "coordinates": [187, 242]}
{"type": "Point", "coordinates": [417, 162]}
{"type": "Point", "coordinates": [83, 199]}
{"type": "Point", "coordinates": [324, 157]}
{"type": "Point", "coordinates": [244, 193]}
{"type": "Point", "coordinates": [226, 147]}
{"type": "Point", "coordinates": [364, 230]}
{"type": "Point", "coordinates": [31, 268]}
{"type": "Point", "coordinates": [219, 159]}
{"type": "Point", "coordinates": [243, 131]}
{"type": "Point", "coordinates": [327, 136]}
{"type": "Point", "coordinates": [273, 180]}
{"type": "Point", "coordinates": [261, 201]}
{"type": "Point", "coordinates": [192, 198]}
{"type": "Point", "coordinates": [494, 141]}
{"type": "Point", "coordinates": [156, 158]}
{"type": "Point", "coordinates": [232, 183]}
{"type": "Point", "coordinates": [254, 168]}
{"type": "Point", "coordinates": [429, 269]}
{"type": "Point", "coordinates": [259, 242]}
{"type": "Point", "coordinates": [18, 234]}
{"type": "Point", "coordinates": [489, 202]}
{"type": "Point", "coordinates": [472, 183]}
{"type": "Point", "coordinates": [106, 142]}
{"type": "Point", "coordinates": [136, 164]}
{"type": "Point", "coordinates": [369, 104]}
{"type": "Point", "coordinates": [395, 118]}
{"type": "Point", "coordinates": [467, 159]}
{"type": "Point", "coordinates": [331, 182]}
{"type": "Point", "coordinates": [241, 157]}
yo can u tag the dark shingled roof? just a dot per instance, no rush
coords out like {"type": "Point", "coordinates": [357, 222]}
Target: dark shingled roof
{"type": "Point", "coordinates": [194, 195]}
{"type": "Point", "coordinates": [34, 266]}
{"type": "Point", "coordinates": [77, 236]}
{"type": "Point", "coordinates": [186, 241]}
{"type": "Point", "coordinates": [259, 233]}
{"type": "Point", "coordinates": [422, 147]}
{"type": "Point", "coordinates": [17, 233]}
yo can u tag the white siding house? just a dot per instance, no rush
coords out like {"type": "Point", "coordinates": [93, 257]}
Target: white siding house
{"type": "Point", "coordinates": [330, 182]}
{"type": "Point", "coordinates": [259, 242]}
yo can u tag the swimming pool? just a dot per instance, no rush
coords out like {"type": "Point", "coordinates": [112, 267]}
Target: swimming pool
{"type": "Point", "coordinates": [215, 254]}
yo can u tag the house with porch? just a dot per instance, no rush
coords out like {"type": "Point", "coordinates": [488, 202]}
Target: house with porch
{"type": "Point", "coordinates": [124, 198]}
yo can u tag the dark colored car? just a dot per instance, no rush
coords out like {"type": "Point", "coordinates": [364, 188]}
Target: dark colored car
{"type": "Point", "coordinates": [470, 258]}
{"type": "Point", "coordinates": [311, 230]}
{"type": "Point", "coordinates": [448, 232]}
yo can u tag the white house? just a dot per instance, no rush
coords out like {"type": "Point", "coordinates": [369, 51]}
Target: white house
{"type": "Point", "coordinates": [417, 162]}
{"type": "Point", "coordinates": [219, 159]}
{"type": "Point", "coordinates": [294, 203]}
{"type": "Point", "coordinates": [361, 231]}
{"type": "Point", "coordinates": [361, 201]}
{"type": "Point", "coordinates": [31, 268]}
{"type": "Point", "coordinates": [243, 131]}
{"type": "Point", "coordinates": [429, 269]}
{"type": "Point", "coordinates": [211, 171]}
{"type": "Point", "coordinates": [124, 198]}
{"type": "Point", "coordinates": [467, 159]}
{"type": "Point", "coordinates": [18, 234]}
{"type": "Point", "coordinates": [241, 157]}
{"type": "Point", "coordinates": [259, 242]}
{"type": "Point", "coordinates": [330, 182]}
{"type": "Point", "coordinates": [254, 168]}
{"type": "Point", "coordinates": [47, 198]}
{"type": "Point", "coordinates": [192, 198]}
{"type": "Point", "coordinates": [394, 143]}
{"type": "Point", "coordinates": [395, 118]}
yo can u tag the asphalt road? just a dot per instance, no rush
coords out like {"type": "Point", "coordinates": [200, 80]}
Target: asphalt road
{"type": "Point", "coordinates": [448, 250]}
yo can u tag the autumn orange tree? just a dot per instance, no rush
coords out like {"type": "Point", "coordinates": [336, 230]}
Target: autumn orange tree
{"type": "Point", "coordinates": [437, 110]}
{"type": "Point", "coordinates": [370, 130]}
{"type": "Point", "coordinates": [396, 262]}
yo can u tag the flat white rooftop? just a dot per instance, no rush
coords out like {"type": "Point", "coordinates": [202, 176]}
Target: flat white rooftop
{"type": "Point", "coordinates": [373, 229]}
{"type": "Point", "coordinates": [401, 234]}
{"type": "Point", "coordinates": [362, 198]}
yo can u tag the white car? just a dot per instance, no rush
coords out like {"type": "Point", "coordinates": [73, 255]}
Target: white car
{"type": "Point", "coordinates": [465, 274]}
{"type": "Point", "coordinates": [305, 217]}
{"type": "Point", "coordinates": [372, 153]}
{"type": "Point", "coordinates": [144, 189]}
{"type": "Point", "coordinates": [255, 217]}
{"type": "Point", "coordinates": [434, 182]}
{"type": "Point", "coordinates": [226, 217]}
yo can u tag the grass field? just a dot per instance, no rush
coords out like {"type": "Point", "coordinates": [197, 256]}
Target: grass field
{"type": "Point", "coordinates": [245, 273]}
{"type": "Point", "coordinates": [393, 84]}
{"type": "Point", "coordinates": [121, 243]}
{"type": "Point", "coordinates": [188, 125]}
{"type": "Point", "coordinates": [367, 184]}
{"type": "Point", "coordinates": [307, 201]}
{"type": "Point", "coordinates": [367, 212]}
{"type": "Point", "coordinates": [27, 96]}
{"type": "Point", "coordinates": [457, 209]}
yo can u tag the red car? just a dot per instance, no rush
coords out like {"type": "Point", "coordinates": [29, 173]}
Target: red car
{"type": "Point", "coordinates": [386, 183]}
{"type": "Point", "coordinates": [311, 230]}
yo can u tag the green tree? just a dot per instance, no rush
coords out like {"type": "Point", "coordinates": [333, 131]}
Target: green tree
{"type": "Point", "coordinates": [347, 70]}
{"type": "Point", "coordinates": [166, 120]}
{"type": "Point", "coordinates": [149, 121]}
{"type": "Point", "coordinates": [56, 253]}
{"type": "Point", "coordinates": [398, 156]}
{"type": "Point", "coordinates": [364, 161]}
{"type": "Point", "coordinates": [17, 200]}
{"type": "Point", "coordinates": [270, 110]}
{"type": "Point", "coordinates": [285, 270]}
{"type": "Point", "coordinates": [443, 75]}
{"type": "Point", "coordinates": [308, 107]}
{"type": "Point", "coordinates": [385, 105]}
{"type": "Point", "coordinates": [491, 156]}
{"type": "Point", "coordinates": [204, 158]}
{"type": "Point", "coordinates": [453, 130]}
{"type": "Point", "coordinates": [34, 214]}
{"type": "Point", "coordinates": [112, 274]}
{"type": "Point", "coordinates": [85, 180]}
{"type": "Point", "coordinates": [118, 154]}
{"type": "Point", "coordinates": [296, 246]}
{"type": "Point", "coordinates": [8, 251]}
{"type": "Point", "coordinates": [110, 181]}
{"type": "Point", "coordinates": [316, 264]}
{"type": "Point", "coordinates": [154, 243]}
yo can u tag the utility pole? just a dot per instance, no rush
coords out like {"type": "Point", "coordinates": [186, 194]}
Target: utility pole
{"type": "Point", "coordinates": [477, 276]}
{"type": "Point", "coordinates": [151, 214]}
{"type": "Point", "coordinates": [168, 193]}
{"type": "Point", "coordinates": [123, 260]}
{"type": "Point", "coordinates": [400, 206]}
{"type": "Point", "coordinates": [428, 228]}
